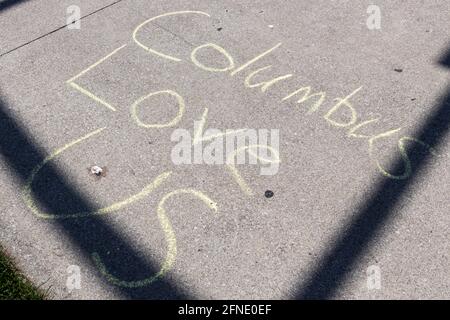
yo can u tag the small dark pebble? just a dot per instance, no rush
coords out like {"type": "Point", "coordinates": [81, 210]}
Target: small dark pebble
{"type": "Point", "coordinates": [412, 99]}
{"type": "Point", "coordinates": [398, 70]}
{"type": "Point", "coordinates": [218, 29]}
{"type": "Point", "coordinates": [268, 194]}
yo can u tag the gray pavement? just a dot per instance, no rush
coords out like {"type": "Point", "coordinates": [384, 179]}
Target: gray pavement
{"type": "Point", "coordinates": [360, 205]}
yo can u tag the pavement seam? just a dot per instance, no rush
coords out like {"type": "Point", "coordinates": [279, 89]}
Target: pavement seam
{"type": "Point", "coordinates": [59, 28]}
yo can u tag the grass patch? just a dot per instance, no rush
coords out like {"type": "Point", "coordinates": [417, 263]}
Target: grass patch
{"type": "Point", "coordinates": [13, 285]}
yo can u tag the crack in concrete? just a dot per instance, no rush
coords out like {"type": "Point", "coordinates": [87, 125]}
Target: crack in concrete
{"type": "Point", "coordinates": [59, 28]}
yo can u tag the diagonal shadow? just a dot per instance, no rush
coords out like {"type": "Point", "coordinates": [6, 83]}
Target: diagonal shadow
{"type": "Point", "coordinates": [335, 265]}
{"type": "Point", "coordinates": [55, 194]}
{"type": "Point", "coordinates": [445, 60]}
{"type": "Point", "coordinates": [6, 4]}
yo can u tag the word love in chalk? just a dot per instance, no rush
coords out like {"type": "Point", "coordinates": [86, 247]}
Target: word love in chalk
{"type": "Point", "coordinates": [341, 115]}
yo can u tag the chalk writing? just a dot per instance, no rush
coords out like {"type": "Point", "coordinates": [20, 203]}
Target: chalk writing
{"type": "Point", "coordinates": [254, 151]}
{"type": "Point", "coordinates": [173, 122]}
{"type": "Point", "coordinates": [305, 94]}
{"type": "Point", "coordinates": [319, 97]}
{"type": "Point", "coordinates": [212, 69]}
{"type": "Point", "coordinates": [72, 83]}
{"type": "Point", "coordinates": [170, 239]}
{"type": "Point", "coordinates": [162, 55]}
{"type": "Point", "coordinates": [30, 201]}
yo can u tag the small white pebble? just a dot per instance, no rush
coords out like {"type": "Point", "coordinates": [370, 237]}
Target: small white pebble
{"type": "Point", "coordinates": [96, 170]}
{"type": "Point", "coordinates": [270, 26]}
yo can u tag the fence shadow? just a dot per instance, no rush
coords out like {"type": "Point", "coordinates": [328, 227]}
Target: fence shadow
{"type": "Point", "coordinates": [55, 193]}
{"type": "Point", "coordinates": [6, 4]}
{"type": "Point", "coordinates": [335, 264]}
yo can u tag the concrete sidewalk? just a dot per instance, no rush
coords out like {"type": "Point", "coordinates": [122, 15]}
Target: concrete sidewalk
{"type": "Point", "coordinates": [360, 201]}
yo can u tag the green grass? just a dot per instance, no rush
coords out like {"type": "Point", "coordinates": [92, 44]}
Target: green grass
{"type": "Point", "coordinates": [13, 285]}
